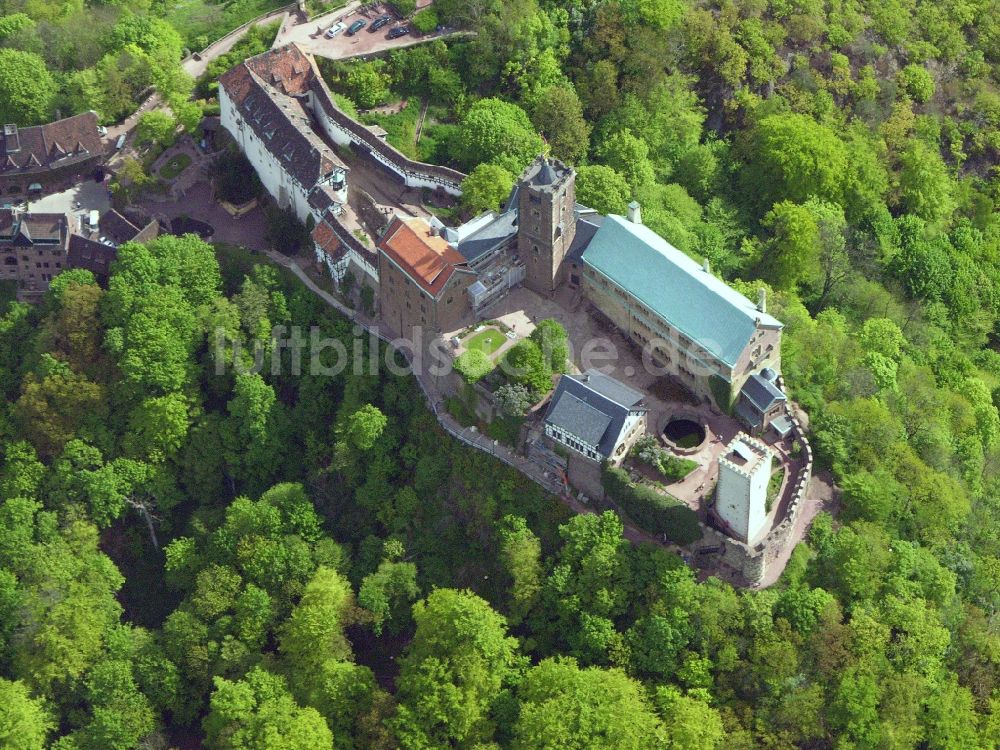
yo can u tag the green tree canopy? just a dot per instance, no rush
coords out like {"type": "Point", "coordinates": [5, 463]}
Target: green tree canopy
{"type": "Point", "coordinates": [453, 671]}
{"type": "Point", "coordinates": [24, 722]}
{"type": "Point", "coordinates": [258, 713]}
{"type": "Point", "coordinates": [27, 89]}
{"type": "Point", "coordinates": [603, 189]}
{"type": "Point", "coordinates": [486, 187]}
{"type": "Point", "coordinates": [500, 133]}
{"type": "Point", "coordinates": [563, 706]}
{"type": "Point", "coordinates": [792, 157]}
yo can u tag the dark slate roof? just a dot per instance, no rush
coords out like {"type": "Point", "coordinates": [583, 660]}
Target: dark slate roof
{"type": "Point", "coordinates": [748, 415]}
{"type": "Point", "coordinates": [55, 145]}
{"type": "Point", "coordinates": [762, 393]}
{"type": "Point", "coordinates": [322, 197]}
{"type": "Point", "coordinates": [498, 231]}
{"type": "Point", "coordinates": [116, 227]}
{"type": "Point", "coordinates": [96, 257]}
{"type": "Point", "coordinates": [6, 222]}
{"type": "Point", "coordinates": [614, 390]}
{"type": "Point", "coordinates": [579, 418]}
{"type": "Point", "coordinates": [543, 172]}
{"type": "Point", "coordinates": [593, 407]}
{"type": "Point", "coordinates": [586, 227]}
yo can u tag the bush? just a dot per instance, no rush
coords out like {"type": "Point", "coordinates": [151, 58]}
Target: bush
{"type": "Point", "coordinates": [505, 429]}
{"type": "Point", "coordinates": [917, 82]}
{"type": "Point", "coordinates": [462, 414]}
{"type": "Point", "coordinates": [648, 450]}
{"type": "Point", "coordinates": [426, 20]}
{"type": "Point", "coordinates": [524, 363]}
{"type": "Point", "coordinates": [512, 399]}
{"type": "Point", "coordinates": [404, 7]}
{"type": "Point", "coordinates": [552, 340]}
{"type": "Point", "coordinates": [473, 365]}
{"type": "Point", "coordinates": [235, 178]}
{"type": "Point", "coordinates": [284, 232]}
{"type": "Point", "coordinates": [656, 513]}
{"type": "Point", "coordinates": [368, 299]}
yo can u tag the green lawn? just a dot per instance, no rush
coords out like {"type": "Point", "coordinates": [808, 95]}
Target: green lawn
{"type": "Point", "coordinates": [175, 166]}
{"type": "Point", "coordinates": [487, 341]}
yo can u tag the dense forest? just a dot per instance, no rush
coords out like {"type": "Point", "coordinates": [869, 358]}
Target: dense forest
{"type": "Point", "coordinates": [268, 561]}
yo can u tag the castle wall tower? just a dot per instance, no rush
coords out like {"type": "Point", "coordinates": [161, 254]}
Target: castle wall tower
{"type": "Point", "coordinates": [546, 200]}
{"type": "Point", "coordinates": [741, 497]}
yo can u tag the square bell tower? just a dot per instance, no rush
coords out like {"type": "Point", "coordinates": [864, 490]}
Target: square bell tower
{"type": "Point", "coordinates": [546, 222]}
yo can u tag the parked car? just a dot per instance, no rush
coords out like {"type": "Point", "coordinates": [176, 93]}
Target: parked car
{"type": "Point", "coordinates": [378, 23]}
{"type": "Point", "coordinates": [398, 32]}
{"type": "Point", "coordinates": [355, 27]}
{"type": "Point", "coordinates": [335, 29]}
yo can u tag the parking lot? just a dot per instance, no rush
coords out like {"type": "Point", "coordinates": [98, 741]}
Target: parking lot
{"type": "Point", "coordinates": [311, 36]}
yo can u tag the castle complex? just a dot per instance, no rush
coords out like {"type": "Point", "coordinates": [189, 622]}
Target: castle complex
{"type": "Point", "coordinates": [695, 327]}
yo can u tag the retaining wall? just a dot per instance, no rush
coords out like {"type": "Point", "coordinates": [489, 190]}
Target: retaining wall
{"type": "Point", "coordinates": [346, 131]}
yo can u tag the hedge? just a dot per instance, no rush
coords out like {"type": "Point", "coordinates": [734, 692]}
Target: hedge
{"type": "Point", "coordinates": [656, 513]}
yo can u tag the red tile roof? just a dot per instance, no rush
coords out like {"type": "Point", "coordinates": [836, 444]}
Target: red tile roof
{"type": "Point", "coordinates": [52, 146]}
{"type": "Point", "coordinates": [422, 254]}
{"type": "Point", "coordinates": [267, 91]}
{"type": "Point", "coordinates": [326, 240]}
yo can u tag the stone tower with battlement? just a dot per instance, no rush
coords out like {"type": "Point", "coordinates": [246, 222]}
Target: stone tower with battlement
{"type": "Point", "coordinates": [741, 495]}
{"type": "Point", "coordinates": [546, 202]}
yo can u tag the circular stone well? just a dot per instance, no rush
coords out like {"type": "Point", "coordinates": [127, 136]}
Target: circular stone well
{"type": "Point", "coordinates": [685, 435]}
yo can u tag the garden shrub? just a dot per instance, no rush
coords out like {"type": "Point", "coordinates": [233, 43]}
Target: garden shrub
{"type": "Point", "coordinates": [655, 513]}
{"type": "Point", "coordinates": [473, 365]}
{"type": "Point", "coordinates": [672, 468]}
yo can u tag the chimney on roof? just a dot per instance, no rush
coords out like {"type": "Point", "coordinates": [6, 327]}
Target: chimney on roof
{"type": "Point", "coordinates": [634, 212]}
{"type": "Point", "coordinates": [706, 266]}
{"type": "Point", "coordinates": [762, 300]}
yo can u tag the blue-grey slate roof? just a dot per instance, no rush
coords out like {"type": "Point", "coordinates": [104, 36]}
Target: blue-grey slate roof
{"type": "Point", "coordinates": [676, 288]}
{"type": "Point", "coordinates": [586, 228]}
{"type": "Point", "coordinates": [500, 230]}
{"type": "Point", "coordinates": [579, 418]}
{"type": "Point", "coordinates": [593, 407]}
{"type": "Point", "coordinates": [762, 393]}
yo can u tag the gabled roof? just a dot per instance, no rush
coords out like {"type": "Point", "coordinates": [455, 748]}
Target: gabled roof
{"type": "Point", "coordinates": [266, 91]}
{"type": "Point", "coordinates": [578, 418]}
{"type": "Point", "coordinates": [587, 225]}
{"type": "Point", "coordinates": [117, 227]}
{"type": "Point", "coordinates": [425, 256]}
{"type": "Point", "coordinates": [593, 407]}
{"type": "Point", "coordinates": [501, 229]}
{"type": "Point", "coordinates": [96, 257]}
{"type": "Point", "coordinates": [762, 393]}
{"type": "Point", "coordinates": [676, 288]}
{"type": "Point", "coordinates": [326, 240]}
{"type": "Point", "coordinates": [32, 149]}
